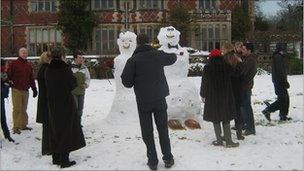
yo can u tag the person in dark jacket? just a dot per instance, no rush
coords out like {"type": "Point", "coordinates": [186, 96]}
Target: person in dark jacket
{"type": "Point", "coordinates": [217, 93]}
{"type": "Point", "coordinates": [280, 82]}
{"type": "Point", "coordinates": [145, 72]}
{"type": "Point", "coordinates": [42, 106]}
{"type": "Point", "coordinates": [4, 95]}
{"type": "Point", "coordinates": [231, 57]}
{"type": "Point", "coordinates": [21, 77]}
{"type": "Point", "coordinates": [248, 72]}
{"type": "Point", "coordinates": [64, 124]}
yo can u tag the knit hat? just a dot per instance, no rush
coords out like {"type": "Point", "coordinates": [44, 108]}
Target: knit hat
{"type": "Point", "coordinates": [280, 47]}
{"type": "Point", "coordinates": [249, 46]}
{"type": "Point", "coordinates": [215, 53]}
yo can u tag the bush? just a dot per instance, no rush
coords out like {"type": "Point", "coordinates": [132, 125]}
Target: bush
{"type": "Point", "coordinates": [295, 65]}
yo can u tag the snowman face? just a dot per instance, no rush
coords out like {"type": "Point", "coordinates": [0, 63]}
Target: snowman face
{"type": "Point", "coordinates": [168, 35]}
{"type": "Point", "coordinates": [126, 42]}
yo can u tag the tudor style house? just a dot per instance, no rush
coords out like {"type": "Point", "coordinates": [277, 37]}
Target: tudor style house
{"type": "Point", "coordinates": [31, 23]}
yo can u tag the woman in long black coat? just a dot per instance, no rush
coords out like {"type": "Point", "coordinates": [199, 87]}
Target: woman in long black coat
{"type": "Point", "coordinates": [65, 131]}
{"type": "Point", "coordinates": [216, 90]}
{"type": "Point", "coordinates": [42, 106]}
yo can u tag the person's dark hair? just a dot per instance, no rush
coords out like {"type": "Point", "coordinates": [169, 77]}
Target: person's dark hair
{"type": "Point", "coordinates": [57, 53]}
{"type": "Point", "coordinates": [76, 53]}
{"type": "Point", "coordinates": [142, 39]}
{"type": "Point", "coordinates": [249, 46]}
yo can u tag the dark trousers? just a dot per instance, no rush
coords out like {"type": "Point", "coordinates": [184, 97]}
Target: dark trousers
{"type": "Point", "coordinates": [159, 109]}
{"type": "Point", "coordinates": [3, 120]}
{"type": "Point", "coordinates": [238, 121]}
{"type": "Point", "coordinates": [282, 102]}
{"type": "Point", "coordinates": [247, 113]}
{"type": "Point", "coordinates": [79, 100]}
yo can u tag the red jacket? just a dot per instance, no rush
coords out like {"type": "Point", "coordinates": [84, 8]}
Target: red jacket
{"type": "Point", "coordinates": [20, 72]}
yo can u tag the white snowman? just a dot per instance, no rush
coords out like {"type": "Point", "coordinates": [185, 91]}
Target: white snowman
{"type": "Point", "coordinates": [184, 105]}
{"type": "Point", "coordinates": [124, 104]}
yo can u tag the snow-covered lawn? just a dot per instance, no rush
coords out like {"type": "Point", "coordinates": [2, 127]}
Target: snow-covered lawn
{"type": "Point", "coordinates": [112, 147]}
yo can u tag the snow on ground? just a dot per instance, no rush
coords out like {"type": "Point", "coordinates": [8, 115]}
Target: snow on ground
{"type": "Point", "coordinates": [111, 147]}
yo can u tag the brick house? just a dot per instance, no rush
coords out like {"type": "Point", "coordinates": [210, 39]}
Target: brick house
{"type": "Point", "coordinates": [31, 23]}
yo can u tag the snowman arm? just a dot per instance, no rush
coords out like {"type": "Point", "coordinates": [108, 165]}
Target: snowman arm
{"type": "Point", "coordinates": [167, 58]}
{"type": "Point", "coordinates": [127, 76]}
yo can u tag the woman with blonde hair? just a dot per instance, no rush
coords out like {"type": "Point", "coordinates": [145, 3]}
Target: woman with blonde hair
{"type": "Point", "coordinates": [235, 61]}
{"type": "Point", "coordinates": [42, 106]}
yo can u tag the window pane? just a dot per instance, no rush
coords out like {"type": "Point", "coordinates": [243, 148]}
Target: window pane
{"type": "Point", "coordinates": [32, 35]}
{"type": "Point", "coordinates": [204, 33]}
{"type": "Point", "coordinates": [52, 35]}
{"type": "Point", "coordinates": [32, 49]}
{"type": "Point", "coordinates": [34, 6]}
{"type": "Point", "coordinates": [45, 36]}
{"type": "Point", "coordinates": [54, 6]}
{"type": "Point", "coordinates": [217, 45]}
{"type": "Point", "coordinates": [141, 3]}
{"type": "Point", "coordinates": [38, 49]}
{"type": "Point", "coordinates": [149, 3]}
{"type": "Point", "coordinates": [155, 4]}
{"type": "Point", "coordinates": [210, 33]}
{"type": "Point", "coordinates": [39, 36]}
{"type": "Point", "coordinates": [58, 36]}
{"type": "Point", "coordinates": [98, 47]}
{"type": "Point", "coordinates": [217, 32]}
{"type": "Point", "coordinates": [97, 35]}
{"type": "Point", "coordinates": [111, 34]}
{"type": "Point", "coordinates": [47, 6]}
{"type": "Point", "coordinates": [207, 4]}
{"type": "Point", "coordinates": [210, 46]}
{"type": "Point", "coordinates": [40, 6]}
{"type": "Point", "coordinates": [96, 4]}
{"type": "Point", "coordinates": [110, 3]}
{"type": "Point", "coordinates": [204, 46]}
{"type": "Point", "coordinates": [103, 4]}
{"type": "Point", "coordinates": [201, 4]}
{"type": "Point", "coordinates": [224, 32]}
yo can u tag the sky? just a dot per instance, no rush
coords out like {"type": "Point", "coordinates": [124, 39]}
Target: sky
{"type": "Point", "coordinates": [270, 7]}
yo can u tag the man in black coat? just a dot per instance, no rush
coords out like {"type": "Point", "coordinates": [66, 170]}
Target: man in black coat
{"type": "Point", "coordinates": [145, 71]}
{"type": "Point", "coordinates": [248, 72]}
{"type": "Point", "coordinates": [64, 124]}
{"type": "Point", "coordinates": [279, 79]}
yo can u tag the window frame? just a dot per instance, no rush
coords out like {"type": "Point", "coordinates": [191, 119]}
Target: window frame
{"type": "Point", "coordinates": [52, 4]}
{"type": "Point", "coordinates": [101, 7]}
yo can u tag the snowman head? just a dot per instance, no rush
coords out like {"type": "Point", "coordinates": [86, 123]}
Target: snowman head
{"type": "Point", "coordinates": [168, 35]}
{"type": "Point", "coordinates": [126, 42]}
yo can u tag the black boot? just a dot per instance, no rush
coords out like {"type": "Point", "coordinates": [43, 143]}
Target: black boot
{"type": "Point", "coordinates": [65, 161]}
{"type": "Point", "coordinates": [266, 113]}
{"type": "Point", "coordinates": [227, 135]}
{"type": "Point", "coordinates": [239, 133]}
{"type": "Point", "coordinates": [56, 158]}
{"type": "Point", "coordinates": [218, 132]}
{"type": "Point", "coordinates": [152, 166]}
{"type": "Point", "coordinates": [169, 163]}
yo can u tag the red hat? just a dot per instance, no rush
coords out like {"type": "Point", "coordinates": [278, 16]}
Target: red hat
{"type": "Point", "coordinates": [215, 53]}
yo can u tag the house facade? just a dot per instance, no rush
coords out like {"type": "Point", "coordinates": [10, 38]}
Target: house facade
{"type": "Point", "coordinates": [32, 23]}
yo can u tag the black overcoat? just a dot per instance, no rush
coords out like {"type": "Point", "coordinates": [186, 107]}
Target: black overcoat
{"type": "Point", "coordinates": [65, 131]}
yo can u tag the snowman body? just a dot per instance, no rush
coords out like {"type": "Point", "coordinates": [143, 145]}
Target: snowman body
{"type": "Point", "coordinates": [184, 101]}
{"type": "Point", "coordinates": [124, 107]}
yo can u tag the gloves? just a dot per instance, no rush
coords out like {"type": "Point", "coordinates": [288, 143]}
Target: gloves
{"type": "Point", "coordinates": [35, 92]}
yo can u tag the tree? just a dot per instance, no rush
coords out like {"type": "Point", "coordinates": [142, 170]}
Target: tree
{"type": "Point", "coordinates": [291, 16]}
{"type": "Point", "coordinates": [77, 23]}
{"type": "Point", "coordinates": [240, 23]}
{"type": "Point", "coordinates": [180, 18]}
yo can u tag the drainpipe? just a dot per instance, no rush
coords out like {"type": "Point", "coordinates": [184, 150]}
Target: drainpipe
{"type": "Point", "coordinates": [11, 28]}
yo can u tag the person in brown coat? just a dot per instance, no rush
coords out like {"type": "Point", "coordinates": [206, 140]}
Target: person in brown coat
{"type": "Point", "coordinates": [216, 92]}
{"type": "Point", "coordinates": [231, 58]}
{"type": "Point", "coordinates": [64, 124]}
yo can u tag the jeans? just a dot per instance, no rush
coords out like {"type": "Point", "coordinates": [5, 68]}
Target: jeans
{"type": "Point", "coordinates": [282, 102]}
{"type": "Point", "coordinates": [79, 100]}
{"type": "Point", "coordinates": [146, 111]}
{"type": "Point", "coordinates": [247, 112]}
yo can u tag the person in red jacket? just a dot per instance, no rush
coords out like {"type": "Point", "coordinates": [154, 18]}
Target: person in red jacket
{"type": "Point", "coordinates": [20, 74]}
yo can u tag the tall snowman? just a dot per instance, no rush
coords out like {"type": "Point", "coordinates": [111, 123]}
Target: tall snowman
{"type": "Point", "coordinates": [124, 104]}
{"type": "Point", "coordinates": [184, 105]}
